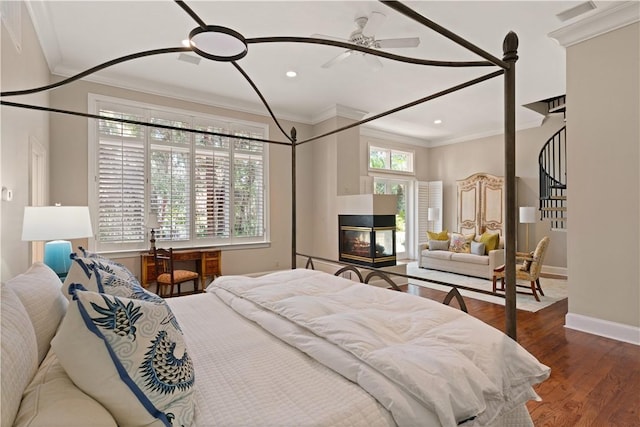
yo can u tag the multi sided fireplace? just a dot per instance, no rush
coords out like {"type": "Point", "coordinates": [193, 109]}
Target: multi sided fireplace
{"type": "Point", "coordinates": [368, 239]}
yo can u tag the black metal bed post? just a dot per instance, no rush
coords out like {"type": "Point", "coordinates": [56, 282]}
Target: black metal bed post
{"type": "Point", "coordinates": [293, 197]}
{"type": "Point", "coordinates": [510, 50]}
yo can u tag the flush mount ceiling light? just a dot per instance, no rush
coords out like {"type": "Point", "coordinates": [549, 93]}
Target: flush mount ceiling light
{"type": "Point", "coordinates": [437, 121]}
{"type": "Point", "coordinates": [291, 74]}
{"type": "Point", "coordinates": [218, 43]}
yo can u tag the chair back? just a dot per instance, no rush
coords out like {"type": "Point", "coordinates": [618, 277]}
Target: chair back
{"type": "Point", "coordinates": [163, 260]}
{"type": "Point", "coordinates": [538, 257]}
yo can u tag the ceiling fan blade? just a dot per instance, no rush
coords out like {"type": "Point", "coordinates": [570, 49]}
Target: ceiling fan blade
{"type": "Point", "coordinates": [373, 62]}
{"type": "Point", "coordinates": [344, 55]}
{"type": "Point", "coordinates": [374, 22]}
{"type": "Point", "coordinates": [401, 42]}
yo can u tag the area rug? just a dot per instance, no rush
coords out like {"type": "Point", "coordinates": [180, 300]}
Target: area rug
{"type": "Point", "coordinates": [554, 289]}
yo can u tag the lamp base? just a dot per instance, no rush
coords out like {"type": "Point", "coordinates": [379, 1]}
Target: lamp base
{"type": "Point", "coordinates": [57, 256]}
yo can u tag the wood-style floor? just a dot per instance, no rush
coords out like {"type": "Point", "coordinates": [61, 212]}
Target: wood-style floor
{"type": "Point", "coordinates": [594, 381]}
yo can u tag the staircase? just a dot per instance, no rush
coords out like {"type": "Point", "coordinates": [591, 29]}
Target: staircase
{"type": "Point", "coordinates": [552, 163]}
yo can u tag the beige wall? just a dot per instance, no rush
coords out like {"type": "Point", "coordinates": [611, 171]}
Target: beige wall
{"type": "Point", "coordinates": [450, 163]}
{"type": "Point", "coordinates": [604, 184]}
{"type": "Point", "coordinates": [20, 70]}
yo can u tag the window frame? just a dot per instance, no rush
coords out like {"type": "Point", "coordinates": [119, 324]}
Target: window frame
{"type": "Point", "coordinates": [197, 119]}
{"type": "Point", "coordinates": [390, 151]}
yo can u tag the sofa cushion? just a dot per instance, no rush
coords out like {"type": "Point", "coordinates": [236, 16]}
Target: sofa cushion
{"type": "Point", "coordinates": [438, 254]}
{"type": "Point", "coordinates": [52, 398]}
{"type": "Point", "coordinates": [39, 291]}
{"type": "Point", "coordinates": [470, 258]}
{"type": "Point", "coordinates": [438, 245]}
{"type": "Point", "coordinates": [130, 356]}
{"type": "Point", "coordinates": [442, 235]}
{"type": "Point", "coordinates": [19, 359]}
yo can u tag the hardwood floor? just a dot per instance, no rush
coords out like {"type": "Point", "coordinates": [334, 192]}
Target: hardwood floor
{"type": "Point", "coordinates": [594, 381]}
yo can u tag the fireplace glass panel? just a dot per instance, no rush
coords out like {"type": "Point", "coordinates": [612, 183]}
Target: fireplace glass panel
{"type": "Point", "coordinates": [357, 242]}
{"type": "Point", "coordinates": [384, 243]}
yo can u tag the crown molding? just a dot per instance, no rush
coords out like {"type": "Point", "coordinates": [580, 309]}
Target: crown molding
{"type": "Point", "coordinates": [598, 23]}
{"type": "Point", "coordinates": [471, 137]}
{"type": "Point", "coordinates": [338, 110]}
{"type": "Point", "coordinates": [41, 18]}
{"type": "Point", "coordinates": [372, 132]}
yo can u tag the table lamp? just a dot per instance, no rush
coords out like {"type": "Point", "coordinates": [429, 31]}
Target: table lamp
{"type": "Point", "coordinates": [153, 224]}
{"type": "Point", "coordinates": [527, 216]}
{"type": "Point", "coordinates": [53, 223]}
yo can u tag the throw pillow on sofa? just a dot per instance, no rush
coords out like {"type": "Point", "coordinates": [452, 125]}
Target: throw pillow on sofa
{"type": "Point", "coordinates": [478, 248]}
{"type": "Point", "coordinates": [443, 235]}
{"type": "Point", "coordinates": [491, 241]}
{"type": "Point", "coordinates": [438, 245]}
{"type": "Point", "coordinates": [461, 243]}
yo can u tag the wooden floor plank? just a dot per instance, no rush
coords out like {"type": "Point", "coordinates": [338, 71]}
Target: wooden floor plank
{"type": "Point", "coordinates": [594, 382]}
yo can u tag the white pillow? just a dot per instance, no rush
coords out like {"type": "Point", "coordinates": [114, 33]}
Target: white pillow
{"type": "Point", "coordinates": [39, 291]}
{"type": "Point", "coordinates": [19, 359]}
{"type": "Point", "coordinates": [130, 356]}
{"type": "Point", "coordinates": [51, 395]}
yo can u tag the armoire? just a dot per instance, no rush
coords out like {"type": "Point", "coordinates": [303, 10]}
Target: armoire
{"type": "Point", "coordinates": [481, 204]}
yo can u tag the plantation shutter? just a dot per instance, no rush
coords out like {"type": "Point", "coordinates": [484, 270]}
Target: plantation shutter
{"type": "Point", "coordinates": [121, 180]}
{"type": "Point", "coordinates": [429, 196]}
{"type": "Point", "coordinates": [212, 193]}
{"type": "Point", "coordinates": [248, 185]}
{"type": "Point", "coordinates": [170, 178]}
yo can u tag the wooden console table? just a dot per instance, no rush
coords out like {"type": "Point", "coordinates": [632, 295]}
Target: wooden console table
{"type": "Point", "coordinates": [208, 264]}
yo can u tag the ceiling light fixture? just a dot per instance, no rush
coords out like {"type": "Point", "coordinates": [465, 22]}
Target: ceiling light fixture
{"type": "Point", "coordinates": [291, 74]}
{"type": "Point", "coordinates": [218, 43]}
{"type": "Point", "coordinates": [437, 121]}
{"type": "Point", "coordinates": [186, 43]}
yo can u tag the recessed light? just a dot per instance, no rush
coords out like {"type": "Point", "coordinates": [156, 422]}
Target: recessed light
{"type": "Point", "coordinates": [291, 74]}
{"type": "Point", "coordinates": [186, 43]}
{"type": "Point", "coordinates": [437, 121]}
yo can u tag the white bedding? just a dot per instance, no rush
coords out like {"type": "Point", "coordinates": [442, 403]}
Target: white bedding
{"type": "Point", "coordinates": [246, 377]}
{"type": "Point", "coordinates": [427, 363]}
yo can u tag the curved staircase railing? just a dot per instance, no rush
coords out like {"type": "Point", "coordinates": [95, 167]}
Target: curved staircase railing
{"type": "Point", "coordinates": [552, 163]}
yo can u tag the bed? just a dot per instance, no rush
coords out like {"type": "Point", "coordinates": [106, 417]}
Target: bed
{"type": "Point", "coordinates": [294, 347]}
{"type": "Point", "coordinates": [291, 348]}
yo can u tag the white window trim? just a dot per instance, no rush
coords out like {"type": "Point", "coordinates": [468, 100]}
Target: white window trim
{"type": "Point", "coordinates": [235, 243]}
{"type": "Point", "coordinates": [391, 171]}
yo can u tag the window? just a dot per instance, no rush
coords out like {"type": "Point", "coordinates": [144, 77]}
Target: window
{"type": "Point", "coordinates": [390, 160]}
{"type": "Point", "coordinates": [399, 188]}
{"type": "Point", "coordinates": [205, 189]}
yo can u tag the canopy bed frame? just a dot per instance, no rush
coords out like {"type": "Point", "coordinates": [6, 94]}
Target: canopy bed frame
{"type": "Point", "coordinates": [506, 67]}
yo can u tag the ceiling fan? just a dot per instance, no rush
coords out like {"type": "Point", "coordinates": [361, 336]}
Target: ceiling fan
{"type": "Point", "coordinates": [364, 35]}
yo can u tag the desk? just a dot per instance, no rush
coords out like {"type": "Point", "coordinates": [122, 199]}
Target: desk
{"type": "Point", "coordinates": [208, 264]}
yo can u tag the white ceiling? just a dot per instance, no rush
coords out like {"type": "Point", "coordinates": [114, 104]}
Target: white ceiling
{"type": "Point", "coordinates": [77, 35]}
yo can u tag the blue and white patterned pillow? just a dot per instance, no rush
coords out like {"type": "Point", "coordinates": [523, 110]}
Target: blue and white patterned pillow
{"type": "Point", "coordinates": [104, 264]}
{"type": "Point", "coordinates": [130, 356]}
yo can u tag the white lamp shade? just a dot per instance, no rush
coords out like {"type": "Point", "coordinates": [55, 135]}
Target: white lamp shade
{"type": "Point", "coordinates": [56, 223]}
{"type": "Point", "coordinates": [527, 214]}
{"type": "Point", "coordinates": [433, 214]}
{"type": "Point", "coordinates": [152, 221]}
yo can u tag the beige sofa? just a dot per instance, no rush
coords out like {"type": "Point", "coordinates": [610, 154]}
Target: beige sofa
{"type": "Point", "coordinates": [461, 263]}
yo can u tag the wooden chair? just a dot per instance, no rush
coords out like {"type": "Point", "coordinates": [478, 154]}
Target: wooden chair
{"type": "Point", "coordinates": [532, 274]}
{"type": "Point", "coordinates": [168, 276]}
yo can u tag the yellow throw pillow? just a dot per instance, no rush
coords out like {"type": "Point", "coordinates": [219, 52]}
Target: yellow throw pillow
{"type": "Point", "coordinates": [491, 240]}
{"type": "Point", "coordinates": [443, 235]}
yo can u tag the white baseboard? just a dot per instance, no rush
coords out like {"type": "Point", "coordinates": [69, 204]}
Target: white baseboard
{"type": "Point", "coordinates": [604, 328]}
{"type": "Point", "coordinates": [559, 271]}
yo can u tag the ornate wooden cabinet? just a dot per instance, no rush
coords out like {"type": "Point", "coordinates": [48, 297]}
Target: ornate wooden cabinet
{"type": "Point", "coordinates": [481, 204]}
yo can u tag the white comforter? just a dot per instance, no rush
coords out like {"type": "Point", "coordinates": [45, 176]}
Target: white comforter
{"type": "Point", "coordinates": [415, 356]}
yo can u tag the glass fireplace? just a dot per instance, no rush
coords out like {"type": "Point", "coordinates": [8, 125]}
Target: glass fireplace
{"type": "Point", "coordinates": [368, 239]}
